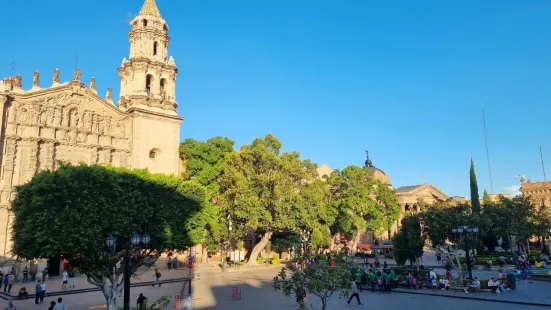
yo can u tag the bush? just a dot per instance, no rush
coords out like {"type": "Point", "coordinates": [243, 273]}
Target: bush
{"type": "Point", "coordinates": [275, 260]}
{"type": "Point", "coordinates": [260, 260]}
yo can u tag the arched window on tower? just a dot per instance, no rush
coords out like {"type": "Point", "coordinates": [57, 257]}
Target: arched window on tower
{"type": "Point", "coordinates": [162, 88]}
{"type": "Point", "coordinates": [148, 81]}
{"type": "Point", "coordinates": [145, 22]}
{"type": "Point", "coordinates": [155, 48]}
{"type": "Point", "coordinates": [154, 153]}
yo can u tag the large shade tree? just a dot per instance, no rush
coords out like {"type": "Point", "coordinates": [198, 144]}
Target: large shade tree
{"type": "Point", "coordinates": [361, 203]}
{"type": "Point", "coordinates": [69, 213]}
{"type": "Point", "coordinates": [203, 162]}
{"type": "Point", "coordinates": [262, 188]}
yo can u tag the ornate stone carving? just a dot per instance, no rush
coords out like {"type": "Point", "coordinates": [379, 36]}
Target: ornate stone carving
{"type": "Point", "coordinates": [58, 117]}
{"type": "Point", "coordinates": [77, 75]}
{"type": "Point", "coordinates": [93, 83]}
{"type": "Point", "coordinates": [104, 156]}
{"type": "Point", "coordinates": [56, 76]}
{"type": "Point", "coordinates": [74, 118]}
{"type": "Point", "coordinates": [23, 115]}
{"type": "Point", "coordinates": [46, 151]}
{"type": "Point", "coordinates": [36, 79]}
{"type": "Point", "coordinates": [101, 125]}
{"type": "Point", "coordinates": [18, 81]}
{"type": "Point", "coordinates": [11, 114]}
{"type": "Point", "coordinates": [109, 94]}
{"type": "Point", "coordinates": [35, 114]}
{"type": "Point", "coordinates": [87, 121]}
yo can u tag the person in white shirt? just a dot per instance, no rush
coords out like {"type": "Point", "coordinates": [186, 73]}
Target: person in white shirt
{"type": "Point", "coordinates": [444, 284]}
{"type": "Point", "coordinates": [493, 285]}
{"type": "Point", "coordinates": [60, 305]}
{"type": "Point", "coordinates": [65, 280]}
{"type": "Point", "coordinates": [43, 292]}
{"type": "Point", "coordinates": [432, 274]}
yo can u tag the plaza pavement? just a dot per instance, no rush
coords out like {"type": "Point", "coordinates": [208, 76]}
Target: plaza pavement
{"type": "Point", "coordinates": [214, 291]}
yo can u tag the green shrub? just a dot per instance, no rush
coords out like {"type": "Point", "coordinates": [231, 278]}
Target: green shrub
{"type": "Point", "coordinates": [260, 260]}
{"type": "Point", "coordinates": [275, 260]}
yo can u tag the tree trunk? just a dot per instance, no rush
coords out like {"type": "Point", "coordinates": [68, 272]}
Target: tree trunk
{"type": "Point", "coordinates": [355, 243]}
{"type": "Point", "coordinates": [110, 286]}
{"type": "Point", "coordinates": [258, 248]}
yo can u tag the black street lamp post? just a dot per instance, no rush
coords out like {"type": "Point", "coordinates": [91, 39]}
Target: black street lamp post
{"type": "Point", "coordinates": [466, 232]}
{"type": "Point", "coordinates": [135, 241]}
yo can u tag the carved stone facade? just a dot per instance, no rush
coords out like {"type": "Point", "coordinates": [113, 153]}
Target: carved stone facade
{"type": "Point", "coordinates": [540, 192]}
{"type": "Point", "coordinates": [69, 122]}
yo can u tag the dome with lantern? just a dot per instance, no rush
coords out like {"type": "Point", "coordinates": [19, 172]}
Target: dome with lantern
{"type": "Point", "coordinates": [378, 174]}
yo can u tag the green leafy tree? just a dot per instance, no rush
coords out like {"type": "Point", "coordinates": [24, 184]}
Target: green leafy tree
{"type": "Point", "coordinates": [408, 243]}
{"type": "Point", "coordinates": [203, 163]}
{"type": "Point", "coordinates": [317, 212]}
{"type": "Point", "coordinates": [542, 224]}
{"type": "Point", "coordinates": [354, 198]}
{"type": "Point", "coordinates": [70, 212]}
{"type": "Point", "coordinates": [287, 242]}
{"type": "Point", "coordinates": [262, 189]}
{"type": "Point", "coordinates": [486, 198]}
{"type": "Point", "coordinates": [475, 200]}
{"type": "Point", "coordinates": [321, 280]}
{"type": "Point", "coordinates": [387, 204]}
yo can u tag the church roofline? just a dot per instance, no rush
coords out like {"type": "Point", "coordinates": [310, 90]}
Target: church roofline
{"type": "Point", "coordinates": [57, 87]}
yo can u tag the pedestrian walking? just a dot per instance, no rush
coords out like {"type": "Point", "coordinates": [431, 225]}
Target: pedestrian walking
{"type": "Point", "coordinates": [72, 278]}
{"type": "Point", "coordinates": [11, 280]}
{"type": "Point", "coordinates": [38, 291]}
{"type": "Point", "coordinates": [60, 305]}
{"type": "Point", "coordinates": [10, 306]}
{"type": "Point", "coordinates": [5, 281]}
{"type": "Point", "coordinates": [42, 292]}
{"type": "Point", "coordinates": [65, 278]}
{"type": "Point", "coordinates": [142, 302]}
{"type": "Point", "coordinates": [354, 294]}
{"type": "Point", "coordinates": [44, 274]}
{"type": "Point", "coordinates": [52, 305]}
{"type": "Point", "coordinates": [25, 275]}
{"type": "Point", "coordinates": [157, 277]}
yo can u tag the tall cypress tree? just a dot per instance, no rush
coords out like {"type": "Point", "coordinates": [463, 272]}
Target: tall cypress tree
{"type": "Point", "coordinates": [475, 202]}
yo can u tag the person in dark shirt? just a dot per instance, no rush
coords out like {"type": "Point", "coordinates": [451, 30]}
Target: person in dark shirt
{"type": "Point", "coordinates": [52, 305]}
{"type": "Point", "coordinates": [142, 301]}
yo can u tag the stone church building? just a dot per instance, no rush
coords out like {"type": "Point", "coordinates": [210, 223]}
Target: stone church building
{"type": "Point", "coordinates": [68, 121]}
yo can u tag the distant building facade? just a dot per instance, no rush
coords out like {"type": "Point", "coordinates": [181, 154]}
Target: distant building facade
{"type": "Point", "coordinates": [539, 191]}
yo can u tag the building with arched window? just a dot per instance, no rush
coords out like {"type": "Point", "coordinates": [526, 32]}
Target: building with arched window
{"type": "Point", "coordinates": [69, 122]}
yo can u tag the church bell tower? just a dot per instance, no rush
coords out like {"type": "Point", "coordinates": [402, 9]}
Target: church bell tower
{"type": "Point", "coordinates": [147, 93]}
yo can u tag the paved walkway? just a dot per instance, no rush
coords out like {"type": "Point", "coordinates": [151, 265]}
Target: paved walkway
{"type": "Point", "coordinates": [530, 292]}
{"type": "Point", "coordinates": [214, 292]}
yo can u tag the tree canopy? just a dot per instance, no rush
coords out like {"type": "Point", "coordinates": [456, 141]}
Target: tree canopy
{"type": "Point", "coordinates": [203, 163]}
{"type": "Point", "coordinates": [70, 212]}
{"type": "Point", "coordinates": [262, 189]}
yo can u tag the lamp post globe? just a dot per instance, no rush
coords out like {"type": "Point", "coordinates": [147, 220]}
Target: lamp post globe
{"type": "Point", "coordinates": [110, 241]}
{"type": "Point", "coordinates": [146, 239]}
{"type": "Point", "coordinates": [136, 239]}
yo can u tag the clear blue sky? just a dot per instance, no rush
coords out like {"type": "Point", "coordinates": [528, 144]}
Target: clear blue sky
{"type": "Point", "coordinates": [403, 79]}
